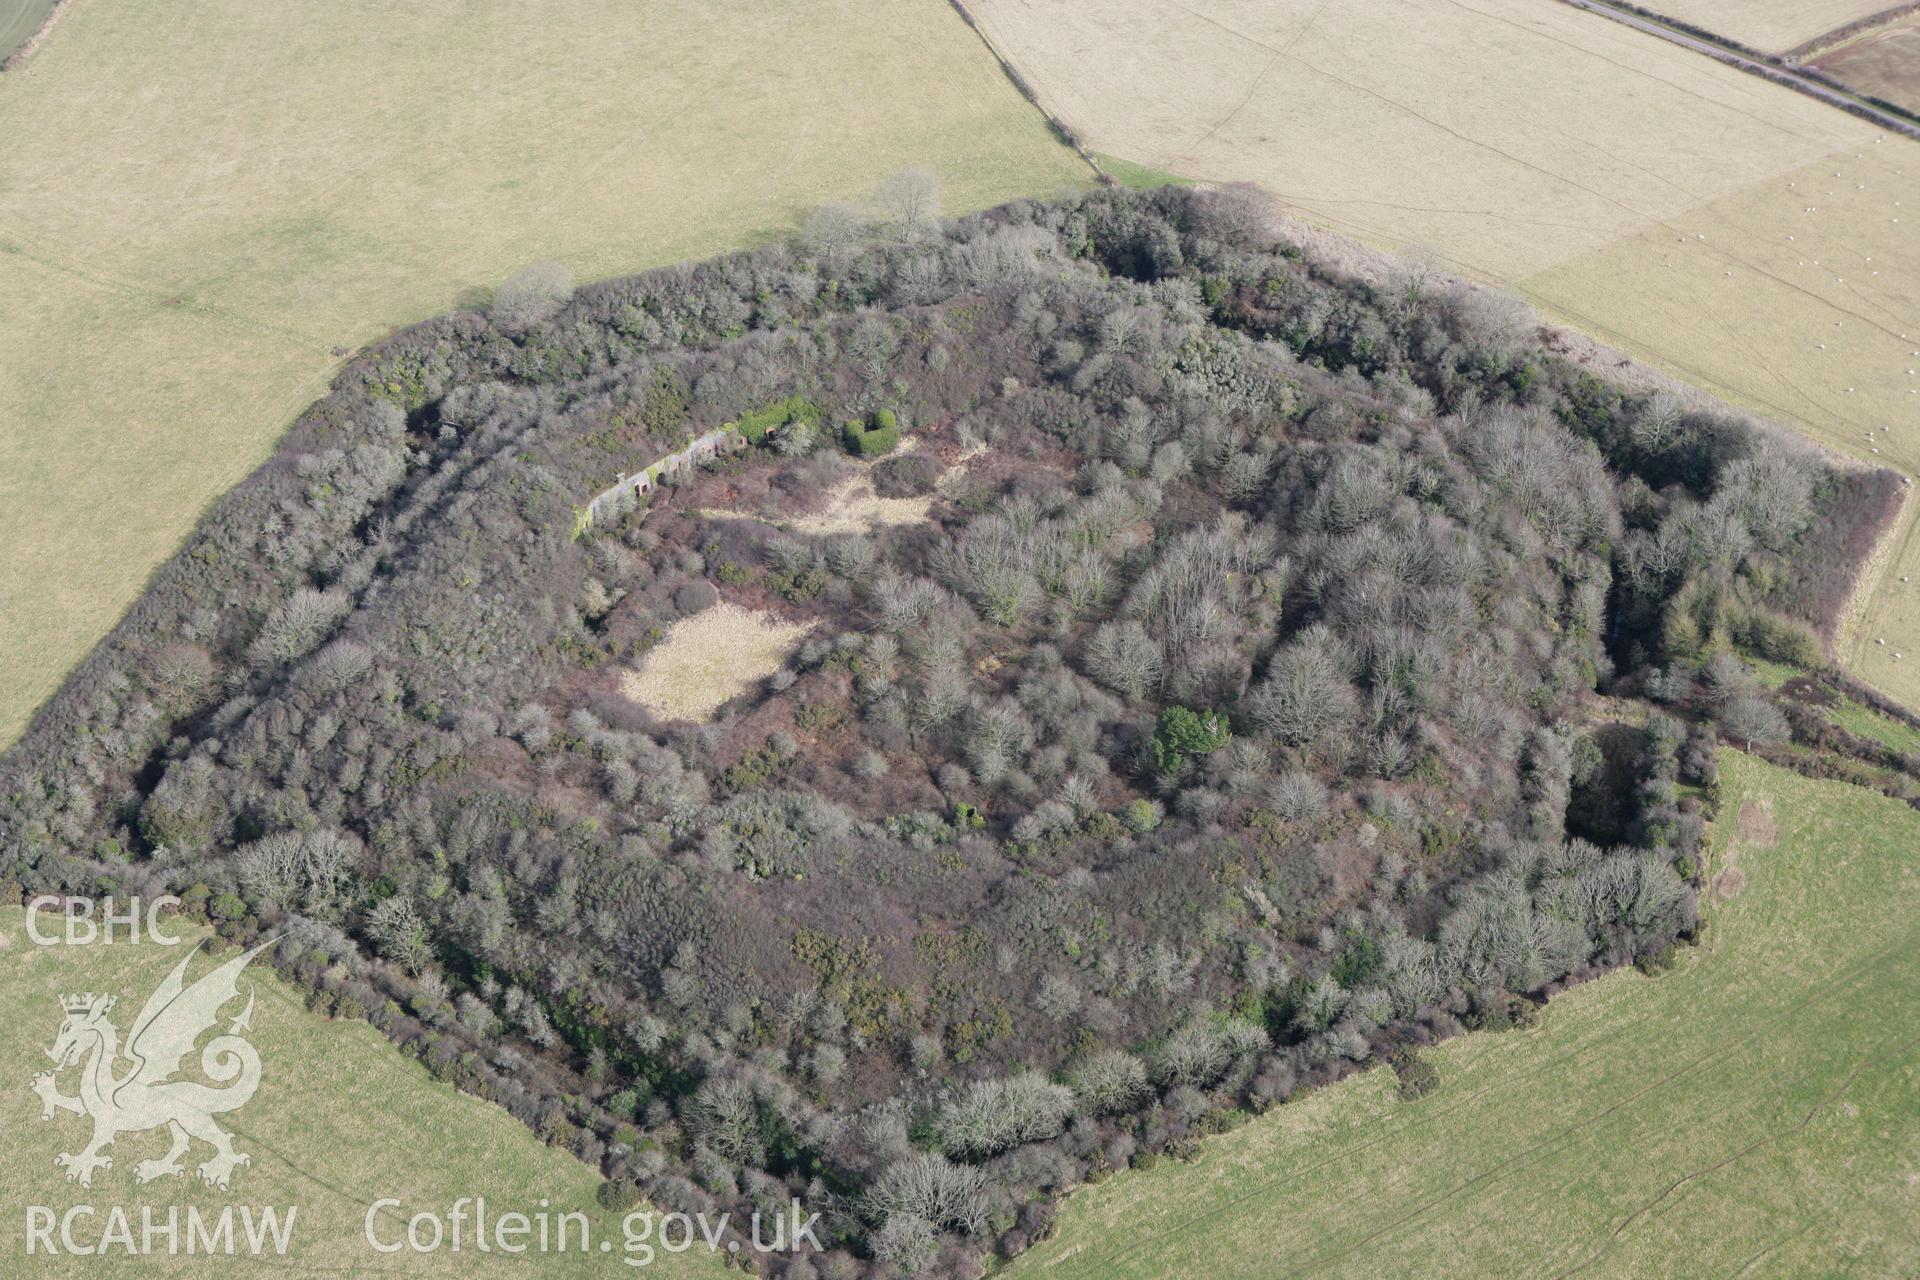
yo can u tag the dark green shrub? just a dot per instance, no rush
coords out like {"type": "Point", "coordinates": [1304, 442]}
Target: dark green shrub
{"type": "Point", "coordinates": [1768, 635]}
{"type": "Point", "coordinates": [1657, 961]}
{"type": "Point", "coordinates": [754, 426]}
{"type": "Point", "coordinates": [800, 587]}
{"type": "Point", "coordinates": [1417, 1077]}
{"type": "Point", "coordinates": [878, 435]}
{"type": "Point", "coordinates": [1141, 816]}
{"type": "Point", "coordinates": [617, 1195]}
{"type": "Point", "coordinates": [1183, 732]}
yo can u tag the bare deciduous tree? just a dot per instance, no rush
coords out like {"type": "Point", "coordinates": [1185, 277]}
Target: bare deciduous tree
{"type": "Point", "coordinates": [531, 294]}
{"type": "Point", "coordinates": [910, 200]}
{"type": "Point", "coordinates": [830, 230]}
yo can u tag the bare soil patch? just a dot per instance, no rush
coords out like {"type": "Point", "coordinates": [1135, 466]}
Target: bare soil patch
{"type": "Point", "coordinates": [1757, 826]}
{"type": "Point", "coordinates": [1728, 884]}
{"type": "Point", "coordinates": [1801, 689]}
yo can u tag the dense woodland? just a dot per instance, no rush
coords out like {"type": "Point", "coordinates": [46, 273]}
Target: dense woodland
{"type": "Point", "coordinates": [1232, 721]}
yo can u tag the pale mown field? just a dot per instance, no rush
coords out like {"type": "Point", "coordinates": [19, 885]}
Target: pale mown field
{"type": "Point", "coordinates": [1753, 1112]}
{"type": "Point", "coordinates": [1771, 26]}
{"type": "Point", "coordinates": [1626, 186]}
{"type": "Point", "coordinates": [198, 203]}
{"type": "Point", "coordinates": [340, 1121]}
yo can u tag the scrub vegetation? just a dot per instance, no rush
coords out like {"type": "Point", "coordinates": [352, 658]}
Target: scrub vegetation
{"type": "Point", "coordinates": [1232, 721]}
{"type": "Point", "coordinates": [1750, 1110]}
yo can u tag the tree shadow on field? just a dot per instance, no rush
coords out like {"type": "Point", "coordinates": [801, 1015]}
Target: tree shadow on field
{"type": "Point", "coordinates": [475, 297]}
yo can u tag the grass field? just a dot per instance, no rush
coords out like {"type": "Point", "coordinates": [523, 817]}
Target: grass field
{"type": "Point", "coordinates": [1755, 1111]}
{"type": "Point", "coordinates": [1627, 187]}
{"type": "Point", "coordinates": [199, 203]}
{"type": "Point", "coordinates": [1771, 26]}
{"type": "Point", "coordinates": [1139, 177]}
{"type": "Point", "coordinates": [340, 1121]}
{"type": "Point", "coordinates": [1884, 62]}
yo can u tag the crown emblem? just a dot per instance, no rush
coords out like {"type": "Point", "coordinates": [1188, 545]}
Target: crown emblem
{"type": "Point", "coordinates": [85, 1003]}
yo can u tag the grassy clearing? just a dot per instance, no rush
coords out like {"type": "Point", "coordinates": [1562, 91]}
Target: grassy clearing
{"type": "Point", "coordinates": [1139, 177]}
{"type": "Point", "coordinates": [852, 506]}
{"type": "Point", "coordinates": [1629, 188]}
{"type": "Point", "coordinates": [340, 1120]}
{"type": "Point", "coordinates": [1770, 674]}
{"type": "Point", "coordinates": [1868, 723]}
{"type": "Point", "coordinates": [1771, 26]}
{"type": "Point", "coordinates": [1754, 1111]}
{"type": "Point", "coordinates": [198, 204]}
{"type": "Point", "coordinates": [716, 654]}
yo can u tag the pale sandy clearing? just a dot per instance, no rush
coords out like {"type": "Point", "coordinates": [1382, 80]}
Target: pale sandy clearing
{"type": "Point", "coordinates": [853, 507]}
{"type": "Point", "coordinates": [717, 654]}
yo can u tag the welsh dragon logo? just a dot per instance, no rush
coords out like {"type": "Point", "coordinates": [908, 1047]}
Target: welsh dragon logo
{"type": "Point", "coordinates": [130, 1089]}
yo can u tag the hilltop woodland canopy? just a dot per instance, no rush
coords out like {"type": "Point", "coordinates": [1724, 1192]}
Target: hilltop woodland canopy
{"type": "Point", "coordinates": [1229, 722]}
